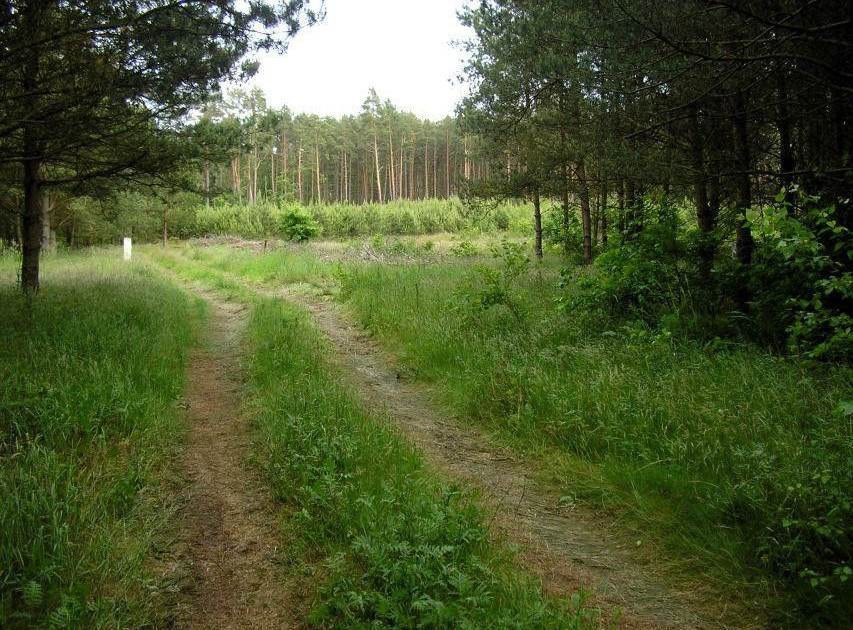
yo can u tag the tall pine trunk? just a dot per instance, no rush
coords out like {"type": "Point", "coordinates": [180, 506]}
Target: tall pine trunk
{"type": "Point", "coordinates": [447, 161]}
{"type": "Point", "coordinates": [165, 226]}
{"type": "Point", "coordinates": [32, 226]}
{"type": "Point", "coordinates": [205, 182]}
{"type": "Point", "coordinates": [537, 223]}
{"type": "Point", "coordinates": [299, 191]}
{"type": "Point", "coordinates": [705, 215]}
{"type": "Point", "coordinates": [32, 219]}
{"type": "Point", "coordinates": [586, 219]}
{"type": "Point", "coordinates": [566, 223]}
{"type": "Point", "coordinates": [744, 243]}
{"type": "Point", "coordinates": [783, 126]}
{"type": "Point", "coordinates": [392, 188]}
{"type": "Point", "coordinates": [376, 165]}
{"type": "Point", "coordinates": [426, 168]}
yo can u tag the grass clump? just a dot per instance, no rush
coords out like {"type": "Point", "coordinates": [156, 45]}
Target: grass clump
{"type": "Point", "coordinates": [403, 549]}
{"type": "Point", "coordinates": [89, 371]}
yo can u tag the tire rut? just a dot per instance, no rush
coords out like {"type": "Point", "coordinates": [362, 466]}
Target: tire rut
{"type": "Point", "coordinates": [228, 542]}
{"type": "Point", "coordinates": [569, 548]}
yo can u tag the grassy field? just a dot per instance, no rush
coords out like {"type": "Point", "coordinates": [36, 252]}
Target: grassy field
{"type": "Point", "coordinates": [401, 548]}
{"type": "Point", "coordinates": [728, 460]}
{"type": "Point", "coordinates": [89, 372]}
{"type": "Point", "coordinates": [721, 459]}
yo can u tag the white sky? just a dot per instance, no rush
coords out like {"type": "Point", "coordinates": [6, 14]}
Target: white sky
{"type": "Point", "coordinates": [402, 48]}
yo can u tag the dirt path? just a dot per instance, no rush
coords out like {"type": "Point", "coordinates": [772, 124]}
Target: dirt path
{"type": "Point", "coordinates": [567, 547]}
{"type": "Point", "coordinates": [228, 543]}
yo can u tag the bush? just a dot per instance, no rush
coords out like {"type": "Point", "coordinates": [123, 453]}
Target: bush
{"type": "Point", "coordinates": [649, 277]}
{"type": "Point", "coordinates": [298, 225]}
{"type": "Point", "coordinates": [801, 276]}
{"type": "Point", "coordinates": [490, 286]}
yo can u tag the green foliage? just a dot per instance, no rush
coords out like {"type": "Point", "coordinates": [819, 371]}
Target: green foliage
{"type": "Point", "coordinates": [279, 266]}
{"type": "Point", "coordinates": [489, 286]}
{"type": "Point", "coordinates": [298, 225]}
{"type": "Point", "coordinates": [412, 218]}
{"type": "Point", "coordinates": [93, 221]}
{"type": "Point", "coordinates": [261, 220]}
{"type": "Point", "coordinates": [89, 371]}
{"type": "Point", "coordinates": [553, 232]}
{"type": "Point", "coordinates": [337, 220]}
{"type": "Point", "coordinates": [811, 537]}
{"type": "Point", "coordinates": [719, 449]}
{"type": "Point", "coordinates": [649, 277]}
{"type": "Point", "coordinates": [90, 221]}
{"type": "Point", "coordinates": [464, 249]}
{"type": "Point", "coordinates": [802, 276]}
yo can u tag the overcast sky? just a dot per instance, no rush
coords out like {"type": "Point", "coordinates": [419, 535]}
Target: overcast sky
{"type": "Point", "coordinates": [402, 48]}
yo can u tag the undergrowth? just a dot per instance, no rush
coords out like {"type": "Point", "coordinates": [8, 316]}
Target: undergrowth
{"type": "Point", "coordinates": [398, 547]}
{"type": "Point", "coordinates": [736, 460]}
{"type": "Point", "coordinates": [730, 455]}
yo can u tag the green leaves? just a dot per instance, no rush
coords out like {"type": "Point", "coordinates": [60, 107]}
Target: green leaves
{"type": "Point", "coordinates": [808, 250]}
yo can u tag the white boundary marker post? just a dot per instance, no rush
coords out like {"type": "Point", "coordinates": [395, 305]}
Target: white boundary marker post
{"type": "Point", "coordinates": [128, 246]}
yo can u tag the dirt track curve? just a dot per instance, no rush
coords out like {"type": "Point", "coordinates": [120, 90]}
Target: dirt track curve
{"type": "Point", "coordinates": [568, 548]}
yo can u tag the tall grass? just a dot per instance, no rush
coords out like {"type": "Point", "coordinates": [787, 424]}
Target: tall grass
{"type": "Point", "coordinates": [730, 455]}
{"type": "Point", "coordinates": [280, 267]}
{"type": "Point", "coordinates": [735, 460]}
{"type": "Point", "coordinates": [89, 371]}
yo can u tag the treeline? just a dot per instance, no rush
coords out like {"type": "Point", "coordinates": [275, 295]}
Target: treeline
{"type": "Point", "coordinates": [241, 152]}
{"type": "Point", "coordinates": [93, 92]}
{"type": "Point", "coordinates": [250, 152]}
{"type": "Point", "coordinates": [633, 106]}
{"type": "Point", "coordinates": [724, 102]}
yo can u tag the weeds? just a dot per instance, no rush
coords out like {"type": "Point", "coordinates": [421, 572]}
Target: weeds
{"type": "Point", "coordinates": [715, 448]}
{"type": "Point", "coordinates": [401, 548]}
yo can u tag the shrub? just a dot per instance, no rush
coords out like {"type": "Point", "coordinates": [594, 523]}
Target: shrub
{"type": "Point", "coordinates": [491, 286]}
{"type": "Point", "coordinates": [801, 277]}
{"type": "Point", "coordinates": [647, 277]}
{"type": "Point", "coordinates": [298, 225]}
